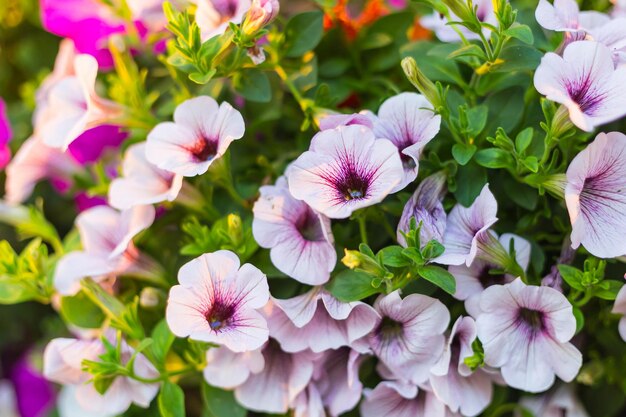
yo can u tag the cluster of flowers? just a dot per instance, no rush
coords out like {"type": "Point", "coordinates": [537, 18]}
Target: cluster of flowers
{"type": "Point", "coordinates": [304, 353]}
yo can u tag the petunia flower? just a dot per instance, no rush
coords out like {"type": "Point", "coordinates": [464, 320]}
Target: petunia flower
{"type": "Point", "coordinates": [426, 207]}
{"type": "Point", "coordinates": [558, 403]}
{"type": "Point", "coordinates": [93, 144]}
{"type": "Point", "coordinates": [586, 82]}
{"type": "Point", "coordinates": [300, 240]}
{"type": "Point", "coordinates": [141, 182]}
{"type": "Point", "coordinates": [466, 227]}
{"type": "Point", "coordinates": [472, 280]}
{"type": "Point", "coordinates": [409, 121]}
{"type": "Point", "coordinates": [217, 301]}
{"type": "Point", "coordinates": [201, 132]}
{"type": "Point", "coordinates": [565, 16]}
{"type": "Point", "coordinates": [108, 250]}
{"type": "Point", "coordinates": [452, 381]}
{"type": "Point", "coordinates": [228, 369]}
{"type": "Point", "coordinates": [446, 33]}
{"type": "Point", "coordinates": [63, 360]}
{"type": "Point", "coordinates": [260, 14]}
{"type": "Point", "coordinates": [620, 308]}
{"type": "Point", "coordinates": [333, 120]}
{"type": "Point", "coordinates": [74, 107]}
{"type": "Point", "coordinates": [68, 406]}
{"type": "Point", "coordinates": [595, 195]}
{"type": "Point", "coordinates": [5, 135]}
{"type": "Point", "coordinates": [408, 337]}
{"type": "Point", "coordinates": [283, 378]}
{"type": "Point", "coordinates": [525, 330]}
{"type": "Point", "coordinates": [298, 322]}
{"type": "Point", "coordinates": [344, 170]}
{"type": "Point", "coordinates": [399, 399]}
{"type": "Point", "coordinates": [213, 16]}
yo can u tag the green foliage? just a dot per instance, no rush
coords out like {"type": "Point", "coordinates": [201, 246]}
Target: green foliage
{"type": "Point", "coordinates": [25, 276]}
{"type": "Point", "coordinates": [302, 33]}
{"type": "Point", "coordinates": [219, 403]}
{"type": "Point", "coordinates": [171, 400]}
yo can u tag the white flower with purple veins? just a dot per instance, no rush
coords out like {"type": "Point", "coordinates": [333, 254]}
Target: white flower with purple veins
{"type": "Point", "coordinates": [586, 82]}
{"type": "Point", "coordinates": [559, 403]}
{"type": "Point", "coordinates": [201, 132]}
{"type": "Point", "coordinates": [467, 227]}
{"type": "Point", "coordinates": [453, 382]}
{"type": "Point", "coordinates": [108, 250]}
{"type": "Point", "coordinates": [620, 308]}
{"type": "Point", "coordinates": [525, 330]}
{"type": "Point", "coordinates": [228, 369]}
{"type": "Point", "coordinates": [142, 182]}
{"type": "Point", "coordinates": [565, 16]}
{"type": "Point", "coordinates": [318, 321]}
{"type": "Point", "coordinates": [363, 118]}
{"type": "Point", "coordinates": [408, 337]}
{"type": "Point", "coordinates": [472, 280]}
{"type": "Point", "coordinates": [345, 169]}
{"type": "Point", "coordinates": [446, 33]}
{"type": "Point", "coordinates": [213, 16]}
{"type": "Point", "coordinates": [399, 399]}
{"type": "Point", "coordinates": [409, 121]}
{"type": "Point", "coordinates": [595, 195]}
{"type": "Point", "coordinates": [219, 302]}
{"type": "Point", "coordinates": [300, 240]}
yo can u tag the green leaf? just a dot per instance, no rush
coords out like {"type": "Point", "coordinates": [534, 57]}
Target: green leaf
{"type": "Point", "coordinates": [303, 32]}
{"type": "Point", "coordinates": [80, 311]}
{"type": "Point", "coordinates": [432, 249]}
{"type": "Point", "coordinates": [521, 32]}
{"type": "Point", "coordinates": [519, 58]}
{"type": "Point", "coordinates": [436, 69]}
{"type": "Point", "coordinates": [469, 50]}
{"type": "Point", "coordinates": [607, 290]}
{"type": "Point", "coordinates": [163, 339]}
{"type": "Point", "coordinates": [470, 180]}
{"type": "Point", "coordinates": [351, 285]}
{"type": "Point", "coordinates": [532, 163]}
{"type": "Point", "coordinates": [573, 276]}
{"type": "Point", "coordinates": [438, 276]}
{"type": "Point", "coordinates": [171, 400]}
{"type": "Point", "coordinates": [477, 119]}
{"type": "Point", "coordinates": [463, 152]}
{"type": "Point", "coordinates": [415, 255]}
{"type": "Point", "coordinates": [523, 140]}
{"type": "Point", "coordinates": [392, 256]}
{"type": "Point", "coordinates": [253, 85]}
{"type": "Point", "coordinates": [220, 403]}
{"type": "Point", "coordinates": [494, 158]}
{"type": "Point", "coordinates": [200, 78]}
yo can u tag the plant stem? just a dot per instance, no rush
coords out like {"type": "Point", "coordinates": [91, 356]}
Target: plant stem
{"type": "Point", "coordinates": [363, 229]}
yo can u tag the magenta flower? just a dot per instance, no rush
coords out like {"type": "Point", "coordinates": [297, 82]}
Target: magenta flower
{"type": "Point", "coordinates": [466, 227]}
{"type": "Point", "coordinates": [525, 330]}
{"type": "Point", "coordinates": [228, 369]}
{"type": "Point", "coordinates": [344, 170]}
{"type": "Point", "coordinates": [596, 196]}
{"type": "Point", "coordinates": [63, 364]}
{"type": "Point", "coordinates": [409, 121]}
{"type": "Point", "coordinates": [399, 399]}
{"type": "Point", "coordinates": [300, 240]}
{"type": "Point", "coordinates": [90, 146]}
{"type": "Point", "coordinates": [408, 337]}
{"type": "Point", "coordinates": [472, 280]}
{"type": "Point", "coordinates": [586, 82]}
{"type": "Point", "coordinates": [453, 382]}
{"type": "Point", "coordinates": [425, 206]}
{"type": "Point", "coordinates": [558, 403]}
{"type": "Point", "coordinates": [108, 250]}
{"type": "Point", "coordinates": [142, 183]}
{"type": "Point", "coordinates": [446, 33]}
{"type": "Point", "coordinates": [217, 301]}
{"type": "Point", "coordinates": [201, 132]}
{"type": "Point", "coordinates": [297, 323]}
{"type": "Point", "coordinates": [213, 16]}
{"type": "Point", "coordinates": [620, 308]}
{"type": "Point", "coordinates": [35, 395]}
{"type": "Point", "coordinates": [5, 135]}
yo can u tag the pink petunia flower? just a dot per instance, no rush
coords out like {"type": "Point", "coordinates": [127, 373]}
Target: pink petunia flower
{"type": "Point", "coordinates": [472, 280]}
{"type": "Point", "coordinates": [409, 121]}
{"type": "Point", "coordinates": [213, 16]}
{"type": "Point", "coordinates": [333, 120]}
{"type": "Point", "coordinates": [446, 33]}
{"type": "Point", "coordinates": [108, 250]}
{"type": "Point", "coordinates": [595, 195]}
{"type": "Point", "coordinates": [399, 399]}
{"type": "Point", "coordinates": [525, 330]}
{"type": "Point", "coordinates": [142, 183]}
{"type": "Point", "coordinates": [558, 403]}
{"type": "Point", "coordinates": [453, 382]}
{"type": "Point", "coordinates": [586, 82]}
{"type": "Point", "coordinates": [63, 364]}
{"type": "Point", "coordinates": [620, 308]}
{"type": "Point", "coordinates": [228, 369]}
{"type": "Point", "coordinates": [260, 14]}
{"type": "Point", "coordinates": [408, 337]}
{"type": "Point", "coordinates": [201, 132]}
{"type": "Point", "coordinates": [5, 135]}
{"type": "Point", "coordinates": [298, 322]}
{"type": "Point", "coordinates": [466, 227]}
{"type": "Point", "coordinates": [217, 301]}
{"type": "Point", "coordinates": [344, 170]}
{"type": "Point", "coordinates": [565, 16]}
{"type": "Point", "coordinates": [300, 240]}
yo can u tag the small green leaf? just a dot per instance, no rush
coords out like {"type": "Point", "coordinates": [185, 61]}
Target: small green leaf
{"type": "Point", "coordinates": [438, 276]}
{"type": "Point", "coordinates": [303, 32]}
{"type": "Point", "coordinates": [477, 119]}
{"type": "Point", "coordinates": [253, 85]}
{"type": "Point", "coordinates": [392, 256]}
{"type": "Point", "coordinates": [351, 285]}
{"type": "Point", "coordinates": [432, 249]}
{"type": "Point", "coordinates": [80, 311]}
{"type": "Point", "coordinates": [414, 254]}
{"type": "Point", "coordinates": [462, 152]}
{"type": "Point", "coordinates": [470, 180]}
{"type": "Point", "coordinates": [607, 290]}
{"type": "Point", "coordinates": [573, 276]}
{"type": "Point", "coordinates": [163, 339]}
{"type": "Point", "coordinates": [171, 400]}
{"type": "Point", "coordinates": [200, 78]}
{"type": "Point", "coordinates": [523, 140]}
{"type": "Point", "coordinates": [521, 32]}
{"type": "Point", "coordinates": [220, 403]}
{"type": "Point", "coordinates": [494, 158]}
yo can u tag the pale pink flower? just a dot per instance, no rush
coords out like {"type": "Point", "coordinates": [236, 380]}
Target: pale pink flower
{"type": "Point", "coordinates": [68, 405]}
{"type": "Point", "coordinates": [217, 301]}
{"type": "Point", "coordinates": [446, 33]}
{"type": "Point", "coordinates": [620, 308]}
{"type": "Point", "coordinates": [525, 330]}
{"type": "Point", "coordinates": [298, 323]}
{"type": "Point", "coordinates": [409, 121]}
{"type": "Point", "coordinates": [300, 240]}
{"type": "Point", "coordinates": [260, 14]}
{"type": "Point", "coordinates": [345, 169]}
{"type": "Point", "coordinates": [74, 106]}
{"type": "Point", "coordinates": [466, 227]}
{"type": "Point", "coordinates": [108, 249]}
{"type": "Point", "coordinates": [558, 403]}
{"type": "Point", "coordinates": [565, 16]}
{"type": "Point", "coordinates": [472, 280]}
{"type": "Point", "coordinates": [63, 364]}
{"type": "Point", "coordinates": [228, 369]}
{"type": "Point", "coordinates": [141, 182]}
{"type": "Point", "coordinates": [213, 16]}
{"type": "Point", "coordinates": [595, 195]}
{"type": "Point", "coordinates": [201, 132]}
{"type": "Point", "coordinates": [585, 81]}
{"type": "Point", "coordinates": [399, 399]}
{"type": "Point", "coordinates": [334, 120]}
{"type": "Point", "coordinates": [408, 337]}
{"type": "Point", "coordinates": [453, 382]}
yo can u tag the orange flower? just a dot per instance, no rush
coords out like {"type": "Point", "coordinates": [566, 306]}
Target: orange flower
{"type": "Point", "coordinates": [340, 15]}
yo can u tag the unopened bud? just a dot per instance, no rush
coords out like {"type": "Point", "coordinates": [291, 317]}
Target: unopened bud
{"type": "Point", "coordinates": [261, 13]}
{"type": "Point", "coordinates": [421, 82]}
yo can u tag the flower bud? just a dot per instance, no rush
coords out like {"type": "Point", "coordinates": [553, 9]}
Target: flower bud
{"type": "Point", "coordinates": [261, 13]}
{"type": "Point", "coordinates": [421, 82]}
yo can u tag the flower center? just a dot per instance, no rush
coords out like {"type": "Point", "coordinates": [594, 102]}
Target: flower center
{"type": "Point", "coordinates": [219, 316]}
{"type": "Point", "coordinates": [353, 186]}
{"type": "Point", "coordinates": [309, 227]}
{"type": "Point", "coordinates": [204, 149]}
{"type": "Point", "coordinates": [583, 93]}
{"type": "Point", "coordinates": [407, 161]}
{"type": "Point", "coordinates": [488, 279]}
{"type": "Point", "coordinates": [532, 318]}
{"type": "Point", "coordinates": [390, 329]}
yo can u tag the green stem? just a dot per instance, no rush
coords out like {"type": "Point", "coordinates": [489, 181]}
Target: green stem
{"type": "Point", "coordinates": [363, 229]}
{"type": "Point", "coordinates": [163, 377]}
